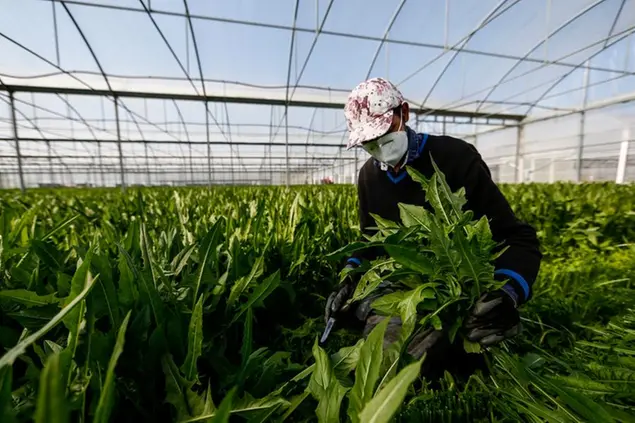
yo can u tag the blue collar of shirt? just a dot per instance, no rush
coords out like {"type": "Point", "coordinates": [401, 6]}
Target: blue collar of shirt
{"type": "Point", "coordinates": [416, 144]}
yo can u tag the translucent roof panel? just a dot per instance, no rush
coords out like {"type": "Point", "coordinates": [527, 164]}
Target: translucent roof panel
{"type": "Point", "coordinates": [443, 53]}
{"type": "Point", "coordinates": [279, 71]}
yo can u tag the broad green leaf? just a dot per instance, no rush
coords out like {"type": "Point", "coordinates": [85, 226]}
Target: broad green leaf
{"type": "Point", "coordinates": [262, 291]}
{"type": "Point", "coordinates": [149, 289]}
{"type": "Point", "coordinates": [386, 226]}
{"type": "Point", "coordinates": [579, 403]}
{"type": "Point", "coordinates": [10, 356]}
{"type": "Point", "coordinates": [106, 398]}
{"type": "Point", "coordinates": [418, 177]}
{"type": "Point", "coordinates": [36, 317]}
{"type": "Point", "coordinates": [247, 344]}
{"type": "Point", "coordinates": [436, 323]}
{"type": "Point", "coordinates": [52, 406]}
{"type": "Point", "coordinates": [471, 347]}
{"type": "Point", "coordinates": [180, 261]}
{"type": "Point", "coordinates": [265, 415]}
{"type": "Point", "coordinates": [224, 409]}
{"type": "Point", "coordinates": [76, 319]}
{"type": "Point", "coordinates": [241, 285]}
{"type": "Point", "coordinates": [433, 195]}
{"type": "Point", "coordinates": [408, 314]}
{"type": "Point", "coordinates": [453, 202]}
{"type": "Point", "coordinates": [51, 347]}
{"type": "Point", "coordinates": [186, 402]}
{"type": "Point", "coordinates": [78, 283]}
{"type": "Point", "coordinates": [441, 245]}
{"type": "Point", "coordinates": [146, 253]}
{"type": "Point", "coordinates": [105, 293]}
{"type": "Point", "coordinates": [6, 400]}
{"type": "Point", "coordinates": [127, 291]}
{"type": "Point", "coordinates": [345, 360]}
{"type": "Point", "coordinates": [28, 298]}
{"type": "Point", "coordinates": [295, 403]}
{"type": "Point", "coordinates": [48, 253]}
{"type": "Point", "coordinates": [367, 370]}
{"type": "Point", "coordinates": [248, 406]}
{"type": "Point", "coordinates": [325, 387]}
{"type": "Point", "coordinates": [25, 219]}
{"type": "Point", "coordinates": [60, 227]}
{"type": "Point", "coordinates": [63, 284]}
{"type": "Point", "coordinates": [328, 409]}
{"type": "Point", "coordinates": [194, 342]}
{"type": "Point", "coordinates": [470, 266]}
{"type": "Point", "coordinates": [410, 258]}
{"type": "Point", "coordinates": [367, 285]}
{"type": "Point", "coordinates": [387, 401]}
{"type": "Point", "coordinates": [389, 304]}
{"type": "Point", "coordinates": [244, 407]}
{"type": "Point", "coordinates": [412, 215]}
{"type": "Point", "coordinates": [208, 247]}
{"type": "Point", "coordinates": [209, 406]}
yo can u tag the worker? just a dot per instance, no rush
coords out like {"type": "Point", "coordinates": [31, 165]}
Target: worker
{"type": "Point", "coordinates": [377, 115]}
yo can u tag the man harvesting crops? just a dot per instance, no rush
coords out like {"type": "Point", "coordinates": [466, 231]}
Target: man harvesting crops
{"type": "Point", "coordinates": [377, 116]}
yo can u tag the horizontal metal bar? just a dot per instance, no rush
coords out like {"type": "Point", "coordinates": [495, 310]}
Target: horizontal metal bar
{"type": "Point", "coordinates": [235, 99]}
{"type": "Point", "coordinates": [161, 158]}
{"type": "Point", "coordinates": [167, 142]}
{"type": "Point", "coordinates": [184, 170]}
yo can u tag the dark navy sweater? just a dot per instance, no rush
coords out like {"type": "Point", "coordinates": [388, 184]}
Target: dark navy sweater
{"type": "Point", "coordinates": [380, 190]}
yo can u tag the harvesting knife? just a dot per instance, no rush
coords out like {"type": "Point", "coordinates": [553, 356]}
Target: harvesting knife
{"type": "Point", "coordinates": [327, 330]}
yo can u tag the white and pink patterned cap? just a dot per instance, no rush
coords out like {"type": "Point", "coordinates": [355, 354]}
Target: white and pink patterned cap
{"type": "Point", "coordinates": [369, 110]}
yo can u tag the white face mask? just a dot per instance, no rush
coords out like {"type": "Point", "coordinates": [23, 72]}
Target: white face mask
{"type": "Point", "coordinates": [389, 148]}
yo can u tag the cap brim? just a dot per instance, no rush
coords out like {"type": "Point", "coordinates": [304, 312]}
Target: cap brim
{"type": "Point", "coordinates": [370, 130]}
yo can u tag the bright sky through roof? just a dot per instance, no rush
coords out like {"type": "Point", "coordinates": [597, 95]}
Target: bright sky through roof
{"type": "Point", "coordinates": [491, 56]}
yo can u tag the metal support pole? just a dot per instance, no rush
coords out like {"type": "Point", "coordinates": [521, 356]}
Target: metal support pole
{"type": "Point", "coordinates": [552, 171]}
{"type": "Point", "coordinates": [209, 149]}
{"type": "Point", "coordinates": [519, 140]}
{"type": "Point", "coordinates": [582, 125]}
{"type": "Point", "coordinates": [286, 141]}
{"type": "Point", "coordinates": [101, 164]}
{"type": "Point", "coordinates": [121, 169]}
{"type": "Point", "coordinates": [532, 170]}
{"type": "Point", "coordinates": [15, 137]}
{"type": "Point", "coordinates": [623, 158]}
{"type": "Point", "coordinates": [148, 176]}
{"type": "Point", "coordinates": [191, 165]}
{"type": "Point", "coordinates": [356, 166]}
{"type": "Point", "coordinates": [578, 165]}
{"type": "Point", "coordinates": [145, 146]}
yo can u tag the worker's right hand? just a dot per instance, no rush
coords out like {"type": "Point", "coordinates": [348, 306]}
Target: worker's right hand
{"type": "Point", "coordinates": [336, 302]}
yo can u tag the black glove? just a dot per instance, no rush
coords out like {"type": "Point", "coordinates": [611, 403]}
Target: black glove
{"type": "Point", "coordinates": [493, 319]}
{"type": "Point", "coordinates": [336, 302]}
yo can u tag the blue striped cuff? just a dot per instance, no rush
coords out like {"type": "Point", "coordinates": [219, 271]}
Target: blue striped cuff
{"type": "Point", "coordinates": [516, 277]}
{"type": "Point", "coordinates": [354, 260]}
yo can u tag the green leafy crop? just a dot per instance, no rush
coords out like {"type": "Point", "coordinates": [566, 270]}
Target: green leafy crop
{"type": "Point", "coordinates": [195, 304]}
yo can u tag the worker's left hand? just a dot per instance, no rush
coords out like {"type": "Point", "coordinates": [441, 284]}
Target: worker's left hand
{"type": "Point", "coordinates": [493, 319]}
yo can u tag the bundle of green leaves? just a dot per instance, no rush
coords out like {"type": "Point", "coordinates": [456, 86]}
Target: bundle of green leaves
{"type": "Point", "coordinates": [439, 260]}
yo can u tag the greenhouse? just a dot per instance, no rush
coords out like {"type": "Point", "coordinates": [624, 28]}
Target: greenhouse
{"type": "Point", "coordinates": [322, 211]}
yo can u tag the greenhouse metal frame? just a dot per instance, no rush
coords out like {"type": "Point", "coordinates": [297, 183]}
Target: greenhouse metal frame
{"type": "Point", "coordinates": [576, 122]}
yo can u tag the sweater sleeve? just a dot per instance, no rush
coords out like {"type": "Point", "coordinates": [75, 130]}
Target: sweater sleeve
{"type": "Point", "coordinates": [521, 262]}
